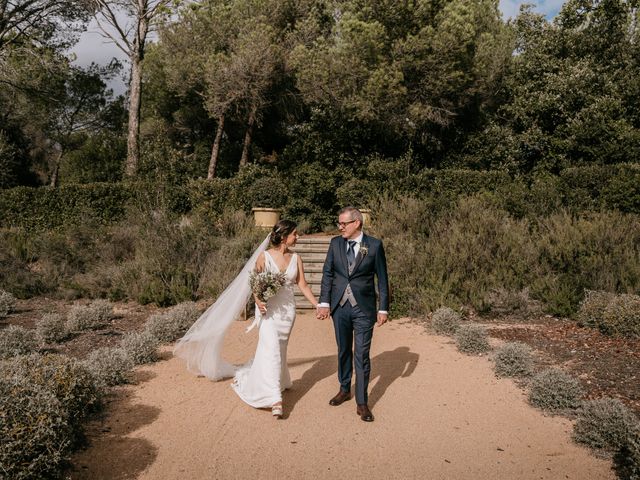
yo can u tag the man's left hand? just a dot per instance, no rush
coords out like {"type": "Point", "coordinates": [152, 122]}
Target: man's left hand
{"type": "Point", "coordinates": [382, 318]}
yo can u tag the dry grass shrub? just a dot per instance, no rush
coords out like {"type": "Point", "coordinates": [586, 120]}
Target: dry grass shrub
{"type": "Point", "coordinates": [7, 303]}
{"type": "Point", "coordinates": [622, 316]}
{"type": "Point", "coordinates": [593, 306]}
{"type": "Point", "coordinates": [604, 423]}
{"type": "Point", "coordinates": [472, 339]}
{"type": "Point", "coordinates": [518, 304]}
{"type": "Point", "coordinates": [177, 260]}
{"type": "Point", "coordinates": [452, 255]}
{"type": "Point", "coordinates": [64, 376]}
{"type": "Point", "coordinates": [89, 317]}
{"type": "Point", "coordinates": [109, 366]}
{"type": "Point", "coordinates": [34, 428]}
{"type": "Point", "coordinates": [445, 321]}
{"type": "Point", "coordinates": [628, 458]}
{"type": "Point", "coordinates": [554, 390]}
{"type": "Point", "coordinates": [594, 251]}
{"type": "Point", "coordinates": [513, 359]}
{"type": "Point", "coordinates": [52, 328]}
{"type": "Point", "coordinates": [460, 254]}
{"type": "Point", "coordinates": [172, 324]}
{"type": "Point", "coordinates": [141, 347]}
{"type": "Point", "coordinates": [15, 340]}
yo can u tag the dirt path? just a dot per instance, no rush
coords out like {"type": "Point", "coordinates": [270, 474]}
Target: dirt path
{"type": "Point", "coordinates": [439, 415]}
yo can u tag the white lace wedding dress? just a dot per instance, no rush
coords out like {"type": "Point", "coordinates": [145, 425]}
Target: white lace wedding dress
{"type": "Point", "coordinates": [260, 382]}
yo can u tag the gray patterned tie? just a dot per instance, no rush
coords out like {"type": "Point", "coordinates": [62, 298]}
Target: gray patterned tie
{"type": "Point", "coordinates": [351, 254]}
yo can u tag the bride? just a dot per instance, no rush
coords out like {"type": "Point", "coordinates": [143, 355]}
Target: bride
{"type": "Point", "coordinates": [260, 381]}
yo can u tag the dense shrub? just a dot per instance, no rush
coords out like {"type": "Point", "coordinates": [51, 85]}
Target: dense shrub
{"type": "Point", "coordinates": [464, 255]}
{"type": "Point", "coordinates": [604, 423]}
{"type": "Point", "coordinates": [445, 321]}
{"type": "Point", "coordinates": [267, 191]}
{"type": "Point", "coordinates": [622, 316]}
{"type": "Point", "coordinates": [629, 456]}
{"type": "Point", "coordinates": [455, 256]}
{"type": "Point", "coordinates": [52, 328]}
{"type": "Point", "coordinates": [65, 377]}
{"type": "Point", "coordinates": [16, 252]}
{"type": "Point", "coordinates": [593, 306]}
{"type": "Point", "coordinates": [98, 159]}
{"type": "Point", "coordinates": [15, 340]}
{"type": "Point", "coordinates": [89, 317]}
{"type": "Point", "coordinates": [109, 366]}
{"type": "Point", "coordinates": [141, 347]}
{"type": "Point", "coordinates": [518, 304]}
{"type": "Point", "coordinates": [599, 251]}
{"type": "Point", "coordinates": [472, 339]}
{"type": "Point", "coordinates": [554, 390]}
{"type": "Point", "coordinates": [7, 303]}
{"type": "Point", "coordinates": [513, 359]}
{"type": "Point", "coordinates": [171, 325]}
{"type": "Point", "coordinates": [34, 428]}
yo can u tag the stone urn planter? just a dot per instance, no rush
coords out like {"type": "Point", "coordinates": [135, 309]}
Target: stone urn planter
{"type": "Point", "coordinates": [265, 217]}
{"type": "Point", "coordinates": [366, 217]}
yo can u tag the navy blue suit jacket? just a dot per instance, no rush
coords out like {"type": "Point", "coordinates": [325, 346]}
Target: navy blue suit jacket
{"type": "Point", "coordinates": [335, 276]}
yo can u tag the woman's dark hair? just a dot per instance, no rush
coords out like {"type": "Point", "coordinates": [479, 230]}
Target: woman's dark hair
{"type": "Point", "coordinates": [281, 230]}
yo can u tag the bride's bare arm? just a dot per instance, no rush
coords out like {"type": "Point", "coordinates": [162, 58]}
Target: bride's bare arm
{"type": "Point", "coordinates": [260, 268]}
{"type": "Point", "coordinates": [304, 286]}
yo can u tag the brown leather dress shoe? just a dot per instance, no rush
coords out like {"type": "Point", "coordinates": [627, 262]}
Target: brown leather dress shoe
{"type": "Point", "coordinates": [340, 398]}
{"type": "Point", "coordinates": [365, 413]}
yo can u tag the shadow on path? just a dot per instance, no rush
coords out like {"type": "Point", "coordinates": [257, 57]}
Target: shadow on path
{"type": "Point", "coordinates": [112, 453]}
{"type": "Point", "coordinates": [322, 368]}
{"type": "Point", "coordinates": [387, 367]}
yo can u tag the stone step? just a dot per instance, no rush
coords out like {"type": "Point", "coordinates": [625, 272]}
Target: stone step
{"type": "Point", "coordinates": [307, 249]}
{"type": "Point", "coordinates": [314, 257]}
{"type": "Point", "coordinates": [313, 267]}
{"type": "Point", "coordinates": [315, 288]}
{"type": "Point", "coordinates": [315, 239]}
{"type": "Point", "coordinates": [303, 304]}
{"type": "Point", "coordinates": [313, 251]}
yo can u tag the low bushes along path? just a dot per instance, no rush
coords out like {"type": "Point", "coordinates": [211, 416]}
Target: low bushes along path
{"type": "Point", "coordinates": [439, 415]}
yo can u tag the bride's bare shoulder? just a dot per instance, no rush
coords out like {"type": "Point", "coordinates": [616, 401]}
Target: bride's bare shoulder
{"type": "Point", "coordinates": [260, 262]}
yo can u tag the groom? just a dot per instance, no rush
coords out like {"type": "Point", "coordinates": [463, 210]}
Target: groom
{"type": "Point", "coordinates": [348, 293]}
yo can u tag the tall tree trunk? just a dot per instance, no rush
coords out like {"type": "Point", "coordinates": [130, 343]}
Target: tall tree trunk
{"type": "Point", "coordinates": [213, 162]}
{"type": "Point", "coordinates": [135, 91]}
{"type": "Point", "coordinates": [244, 160]}
{"type": "Point", "coordinates": [133, 147]}
{"type": "Point", "coordinates": [56, 169]}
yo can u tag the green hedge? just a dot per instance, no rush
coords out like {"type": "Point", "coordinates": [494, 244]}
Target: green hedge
{"type": "Point", "coordinates": [314, 192]}
{"type": "Point", "coordinates": [48, 208]}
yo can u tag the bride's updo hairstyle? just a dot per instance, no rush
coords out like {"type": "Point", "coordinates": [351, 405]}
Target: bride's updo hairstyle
{"type": "Point", "coordinates": [281, 230]}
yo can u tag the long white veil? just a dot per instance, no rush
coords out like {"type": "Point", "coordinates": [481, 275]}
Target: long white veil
{"type": "Point", "coordinates": [202, 344]}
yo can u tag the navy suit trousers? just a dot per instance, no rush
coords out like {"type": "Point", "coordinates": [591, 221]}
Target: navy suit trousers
{"type": "Point", "coordinates": [354, 331]}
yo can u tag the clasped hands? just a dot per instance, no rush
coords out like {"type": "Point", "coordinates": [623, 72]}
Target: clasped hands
{"type": "Point", "coordinates": [323, 312]}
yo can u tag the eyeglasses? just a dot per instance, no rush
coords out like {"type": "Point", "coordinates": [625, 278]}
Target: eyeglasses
{"type": "Point", "coordinates": [344, 224]}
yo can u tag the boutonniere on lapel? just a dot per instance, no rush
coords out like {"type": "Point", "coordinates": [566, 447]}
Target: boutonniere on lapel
{"type": "Point", "coordinates": [364, 250]}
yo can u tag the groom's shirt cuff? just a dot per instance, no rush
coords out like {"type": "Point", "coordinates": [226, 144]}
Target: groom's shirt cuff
{"type": "Point", "coordinates": [384, 312]}
{"type": "Point", "coordinates": [323, 305]}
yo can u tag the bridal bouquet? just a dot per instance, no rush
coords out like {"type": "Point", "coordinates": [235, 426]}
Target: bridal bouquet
{"type": "Point", "coordinates": [265, 285]}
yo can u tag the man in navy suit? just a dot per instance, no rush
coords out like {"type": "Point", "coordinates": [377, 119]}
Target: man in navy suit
{"type": "Point", "coordinates": [348, 294]}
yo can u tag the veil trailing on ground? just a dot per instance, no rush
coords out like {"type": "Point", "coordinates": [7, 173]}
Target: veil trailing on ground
{"type": "Point", "coordinates": [202, 344]}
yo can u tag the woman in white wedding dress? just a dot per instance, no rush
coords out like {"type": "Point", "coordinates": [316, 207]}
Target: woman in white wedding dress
{"type": "Point", "coordinates": [260, 381]}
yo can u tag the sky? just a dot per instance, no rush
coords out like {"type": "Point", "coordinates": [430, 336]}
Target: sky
{"type": "Point", "coordinates": [92, 47]}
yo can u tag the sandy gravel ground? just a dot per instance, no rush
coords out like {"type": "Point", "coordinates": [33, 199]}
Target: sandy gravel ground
{"type": "Point", "coordinates": [439, 415]}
